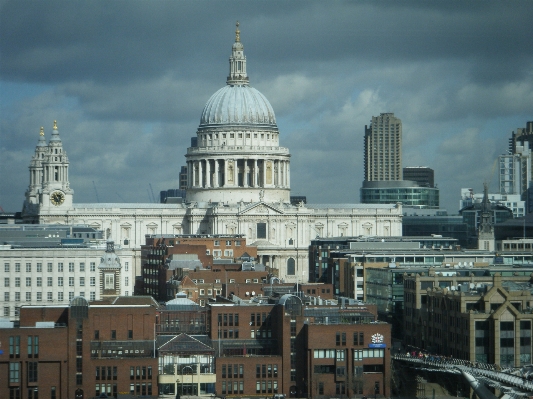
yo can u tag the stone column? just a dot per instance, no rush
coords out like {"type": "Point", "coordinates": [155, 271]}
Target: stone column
{"type": "Point", "coordinates": [193, 174]}
{"type": "Point", "coordinates": [264, 173]}
{"type": "Point", "coordinates": [200, 174]}
{"type": "Point", "coordinates": [288, 174]}
{"type": "Point", "coordinates": [246, 169]}
{"type": "Point", "coordinates": [207, 173]}
{"type": "Point", "coordinates": [278, 163]}
{"type": "Point", "coordinates": [215, 174]}
{"type": "Point", "coordinates": [255, 175]}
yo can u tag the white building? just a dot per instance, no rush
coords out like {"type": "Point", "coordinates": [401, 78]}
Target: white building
{"type": "Point", "coordinates": [40, 276]}
{"type": "Point", "coordinates": [511, 201]}
{"type": "Point", "coordinates": [238, 183]}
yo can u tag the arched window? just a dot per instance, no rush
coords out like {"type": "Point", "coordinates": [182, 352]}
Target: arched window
{"type": "Point", "coordinates": [291, 267]}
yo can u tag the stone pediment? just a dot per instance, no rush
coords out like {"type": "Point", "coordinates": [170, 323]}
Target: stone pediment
{"type": "Point", "coordinates": [260, 208]}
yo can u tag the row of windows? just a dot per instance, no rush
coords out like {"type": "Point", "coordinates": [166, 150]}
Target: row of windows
{"type": "Point", "coordinates": [113, 334]}
{"type": "Point", "coordinates": [49, 297]}
{"type": "Point", "coordinates": [233, 371]}
{"type": "Point", "coordinates": [266, 370]}
{"type": "Point", "coordinates": [358, 338]}
{"type": "Point", "coordinates": [50, 281]}
{"type": "Point", "coordinates": [266, 386]}
{"type": "Point", "coordinates": [231, 319]}
{"type": "Point", "coordinates": [228, 243]}
{"type": "Point", "coordinates": [211, 136]}
{"type": "Point", "coordinates": [50, 267]}
{"type": "Point", "coordinates": [232, 387]}
{"type": "Point", "coordinates": [141, 372]}
{"type": "Point", "coordinates": [135, 389]}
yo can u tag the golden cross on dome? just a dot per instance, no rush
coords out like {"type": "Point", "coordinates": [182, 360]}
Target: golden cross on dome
{"type": "Point", "coordinates": [55, 125]}
{"type": "Point", "coordinates": [237, 33]}
{"type": "Point", "coordinates": [41, 133]}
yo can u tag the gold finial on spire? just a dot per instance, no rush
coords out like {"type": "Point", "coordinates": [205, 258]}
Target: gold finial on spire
{"type": "Point", "coordinates": [41, 133]}
{"type": "Point", "coordinates": [55, 125]}
{"type": "Point", "coordinates": [237, 33]}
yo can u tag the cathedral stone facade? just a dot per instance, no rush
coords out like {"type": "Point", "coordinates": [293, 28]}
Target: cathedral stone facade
{"type": "Point", "coordinates": [238, 183]}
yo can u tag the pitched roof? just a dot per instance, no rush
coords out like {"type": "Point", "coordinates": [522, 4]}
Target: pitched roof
{"type": "Point", "coordinates": [185, 344]}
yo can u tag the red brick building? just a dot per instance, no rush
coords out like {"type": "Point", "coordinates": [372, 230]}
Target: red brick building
{"type": "Point", "coordinates": [81, 350]}
{"type": "Point", "coordinates": [193, 253]}
{"type": "Point", "coordinates": [299, 350]}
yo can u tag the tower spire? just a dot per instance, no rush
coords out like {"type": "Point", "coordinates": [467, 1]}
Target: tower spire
{"type": "Point", "coordinates": [237, 62]}
{"type": "Point", "coordinates": [237, 33]}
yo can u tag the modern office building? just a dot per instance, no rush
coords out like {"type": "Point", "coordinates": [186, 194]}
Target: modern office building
{"type": "Point", "coordinates": [485, 319]}
{"type": "Point", "coordinates": [384, 180]}
{"type": "Point", "coordinates": [183, 178]}
{"type": "Point", "coordinates": [383, 148]}
{"type": "Point", "coordinates": [427, 222]}
{"type": "Point", "coordinates": [406, 192]}
{"type": "Point", "coordinates": [424, 176]}
{"type": "Point", "coordinates": [521, 136]}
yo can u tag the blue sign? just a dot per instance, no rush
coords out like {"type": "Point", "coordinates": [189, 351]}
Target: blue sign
{"type": "Point", "coordinates": [1, 352]}
{"type": "Point", "coordinates": [377, 345]}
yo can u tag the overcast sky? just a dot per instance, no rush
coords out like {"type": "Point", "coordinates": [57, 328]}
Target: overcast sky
{"type": "Point", "coordinates": [127, 82]}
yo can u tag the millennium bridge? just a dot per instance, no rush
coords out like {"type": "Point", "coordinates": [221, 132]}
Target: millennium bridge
{"type": "Point", "coordinates": [512, 382]}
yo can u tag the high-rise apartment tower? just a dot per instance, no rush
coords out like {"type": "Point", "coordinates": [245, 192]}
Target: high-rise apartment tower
{"type": "Point", "coordinates": [383, 148]}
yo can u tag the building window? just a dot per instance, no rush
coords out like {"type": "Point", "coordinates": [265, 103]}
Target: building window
{"type": "Point", "coordinates": [217, 243]}
{"type": "Point", "coordinates": [60, 281]}
{"type": "Point", "coordinates": [28, 281]}
{"type": "Point", "coordinates": [130, 334]}
{"type": "Point", "coordinates": [71, 267]}
{"type": "Point", "coordinates": [39, 267]}
{"type": "Point", "coordinates": [82, 266]}
{"type": "Point", "coordinates": [49, 267]}
{"type": "Point", "coordinates": [113, 334]}
{"type": "Point", "coordinates": [28, 296]}
{"type": "Point", "coordinates": [127, 266]}
{"type": "Point", "coordinates": [6, 267]}
{"type": "Point", "coordinates": [109, 281]}
{"type": "Point", "coordinates": [82, 281]}
{"type": "Point", "coordinates": [39, 296]}
{"type": "Point", "coordinates": [70, 295]}
{"type": "Point", "coordinates": [127, 281]}
{"type": "Point", "coordinates": [261, 230]}
{"type": "Point", "coordinates": [92, 281]}
{"type": "Point", "coordinates": [14, 346]}
{"type": "Point", "coordinates": [92, 296]}
{"type": "Point", "coordinates": [14, 372]}
{"type": "Point", "coordinates": [39, 281]}
{"type": "Point", "coordinates": [32, 371]}
{"type": "Point", "coordinates": [17, 281]}
{"type": "Point", "coordinates": [291, 267]}
{"type": "Point", "coordinates": [60, 296]}
{"type": "Point", "coordinates": [17, 267]}
{"type": "Point", "coordinates": [6, 282]}
{"type": "Point", "coordinates": [92, 266]}
{"type": "Point", "coordinates": [49, 296]}
{"type": "Point", "coordinates": [60, 267]}
{"type": "Point", "coordinates": [17, 296]}
{"type": "Point", "coordinates": [28, 267]}
{"type": "Point", "coordinates": [49, 282]}
{"type": "Point", "coordinates": [71, 281]}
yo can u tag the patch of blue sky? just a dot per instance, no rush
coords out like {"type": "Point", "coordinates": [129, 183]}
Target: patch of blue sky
{"type": "Point", "coordinates": [14, 92]}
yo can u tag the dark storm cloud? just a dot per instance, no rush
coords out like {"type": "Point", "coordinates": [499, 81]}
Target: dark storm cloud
{"type": "Point", "coordinates": [127, 81]}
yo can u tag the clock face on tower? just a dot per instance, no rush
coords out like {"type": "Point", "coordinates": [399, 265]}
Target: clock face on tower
{"type": "Point", "coordinates": [57, 198]}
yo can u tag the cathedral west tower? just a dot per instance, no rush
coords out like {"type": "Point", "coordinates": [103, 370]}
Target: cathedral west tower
{"type": "Point", "coordinates": [237, 156]}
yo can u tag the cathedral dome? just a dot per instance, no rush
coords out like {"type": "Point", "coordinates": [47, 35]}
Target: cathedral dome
{"type": "Point", "coordinates": [238, 104]}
